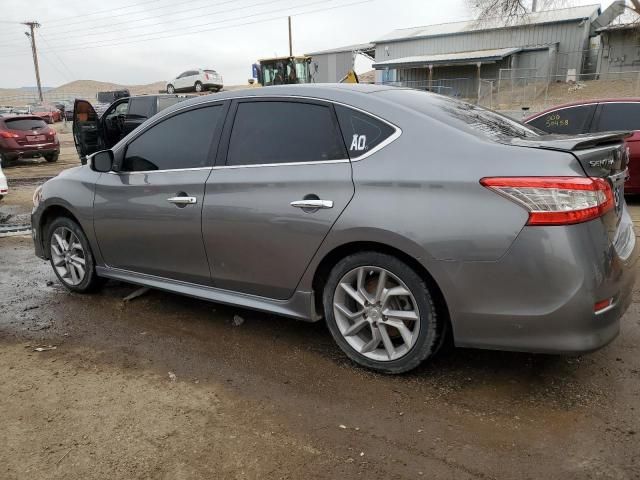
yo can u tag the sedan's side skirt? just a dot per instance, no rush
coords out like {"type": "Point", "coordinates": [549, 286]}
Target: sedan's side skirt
{"type": "Point", "coordinates": [299, 306]}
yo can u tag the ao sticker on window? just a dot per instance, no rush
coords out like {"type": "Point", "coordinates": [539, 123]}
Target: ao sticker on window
{"type": "Point", "coordinates": [361, 132]}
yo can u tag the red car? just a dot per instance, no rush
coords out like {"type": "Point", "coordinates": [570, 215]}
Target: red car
{"type": "Point", "coordinates": [48, 113]}
{"type": "Point", "coordinates": [590, 116]}
{"type": "Point", "coordinates": [27, 136]}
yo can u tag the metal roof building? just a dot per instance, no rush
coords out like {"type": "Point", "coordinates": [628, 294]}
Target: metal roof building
{"type": "Point", "coordinates": [453, 58]}
{"type": "Point", "coordinates": [329, 66]}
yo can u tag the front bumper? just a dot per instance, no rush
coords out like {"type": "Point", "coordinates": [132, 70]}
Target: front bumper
{"type": "Point", "coordinates": [540, 296]}
{"type": "Point", "coordinates": [36, 234]}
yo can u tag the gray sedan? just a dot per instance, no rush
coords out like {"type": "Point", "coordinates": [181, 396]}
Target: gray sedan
{"type": "Point", "coordinates": [401, 218]}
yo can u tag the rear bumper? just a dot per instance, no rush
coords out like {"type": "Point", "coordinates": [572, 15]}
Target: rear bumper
{"type": "Point", "coordinates": [212, 85]}
{"type": "Point", "coordinates": [30, 151]}
{"type": "Point", "coordinates": [540, 296]}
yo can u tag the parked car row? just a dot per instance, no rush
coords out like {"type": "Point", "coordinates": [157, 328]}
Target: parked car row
{"type": "Point", "coordinates": [400, 217]}
{"type": "Point", "coordinates": [50, 113]}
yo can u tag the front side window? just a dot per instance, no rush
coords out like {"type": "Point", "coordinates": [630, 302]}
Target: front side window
{"type": "Point", "coordinates": [569, 121]}
{"type": "Point", "coordinates": [619, 116]}
{"type": "Point", "coordinates": [271, 132]}
{"type": "Point", "coordinates": [361, 132]}
{"type": "Point", "coordinates": [181, 141]}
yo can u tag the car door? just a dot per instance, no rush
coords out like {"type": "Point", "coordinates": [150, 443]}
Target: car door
{"type": "Point", "coordinates": [140, 110]}
{"type": "Point", "coordinates": [147, 214]}
{"type": "Point", "coordinates": [87, 134]}
{"type": "Point", "coordinates": [569, 120]}
{"type": "Point", "coordinates": [281, 180]}
{"type": "Point", "coordinates": [612, 116]}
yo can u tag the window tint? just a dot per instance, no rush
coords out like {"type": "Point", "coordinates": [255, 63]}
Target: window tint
{"type": "Point", "coordinates": [24, 124]}
{"type": "Point", "coordinates": [572, 120]}
{"type": "Point", "coordinates": [284, 132]}
{"type": "Point", "coordinates": [166, 102]}
{"type": "Point", "coordinates": [181, 141]}
{"type": "Point", "coordinates": [619, 116]}
{"type": "Point", "coordinates": [361, 132]}
{"type": "Point", "coordinates": [142, 107]}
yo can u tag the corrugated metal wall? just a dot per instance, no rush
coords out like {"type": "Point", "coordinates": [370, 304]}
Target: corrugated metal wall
{"type": "Point", "coordinates": [331, 67]}
{"type": "Point", "coordinates": [620, 53]}
{"type": "Point", "coordinates": [570, 37]}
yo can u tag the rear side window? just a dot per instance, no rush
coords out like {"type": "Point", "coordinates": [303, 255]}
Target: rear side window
{"type": "Point", "coordinates": [570, 121]}
{"type": "Point", "coordinates": [24, 124]}
{"type": "Point", "coordinates": [181, 141]}
{"type": "Point", "coordinates": [618, 116]}
{"type": "Point", "coordinates": [361, 132]}
{"type": "Point", "coordinates": [284, 132]}
{"type": "Point", "coordinates": [166, 102]}
{"type": "Point", "coordinates": [141, 107]}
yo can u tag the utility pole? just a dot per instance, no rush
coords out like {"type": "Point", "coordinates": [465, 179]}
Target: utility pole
{"type": "Point", "coordinates": [32, 26]}
{"type": "Point", "coordinates": [290, 41]}
{"type": "Point", "coordinates": [534, 6]}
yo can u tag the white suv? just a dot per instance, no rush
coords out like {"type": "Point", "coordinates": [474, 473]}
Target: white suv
{"type": "Point", "coordinates": [195, 80]}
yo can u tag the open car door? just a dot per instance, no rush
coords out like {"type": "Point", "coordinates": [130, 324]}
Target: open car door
{"type": "Point", "coordinates": [86, 129]}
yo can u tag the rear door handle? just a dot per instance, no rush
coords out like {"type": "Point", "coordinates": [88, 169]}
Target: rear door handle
{"type": "Point", "coordinates": [312, 204]}
{"type": "Point", "coordinates": [183, 200]}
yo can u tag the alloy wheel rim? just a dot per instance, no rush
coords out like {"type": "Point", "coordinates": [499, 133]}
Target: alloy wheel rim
{"type": "Point", "coordinates": [376, 313]}
{"type": "Point", "coordinates": [68, 256]}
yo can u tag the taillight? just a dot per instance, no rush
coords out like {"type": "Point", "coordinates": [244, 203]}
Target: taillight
{"type": "Point", "coordinates": [5, 134]}
{"type": "Point", "coordinates": [556, 200]}
{"type": "Point", "coordinates": [206, 75]}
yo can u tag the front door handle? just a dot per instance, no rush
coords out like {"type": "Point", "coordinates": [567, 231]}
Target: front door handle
{"type": "Point", "coordinates": [312, 204]}
{"type": "Point", "coordinates": [183, 200]}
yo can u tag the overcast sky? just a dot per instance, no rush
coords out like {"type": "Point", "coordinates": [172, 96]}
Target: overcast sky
{"type": "Point", "coordinates": [115, 41]}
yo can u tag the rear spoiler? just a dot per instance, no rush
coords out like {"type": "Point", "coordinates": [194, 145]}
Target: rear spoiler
{"type": "Point", "coordinates": [572, 142]}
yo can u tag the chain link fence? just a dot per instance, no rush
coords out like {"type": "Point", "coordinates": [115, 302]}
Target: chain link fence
{"type": "Point", "coordinates": [13, 100]}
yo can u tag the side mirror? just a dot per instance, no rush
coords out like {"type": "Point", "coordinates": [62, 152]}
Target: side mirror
{"type": "Point", "coordinates": [102, 161]}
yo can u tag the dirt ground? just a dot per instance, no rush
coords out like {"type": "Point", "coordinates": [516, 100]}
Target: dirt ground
{"type": "Point", "coordinates": [166, 387]}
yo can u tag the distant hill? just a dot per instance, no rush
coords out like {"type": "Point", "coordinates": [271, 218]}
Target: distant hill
{"type": "Point", "coordinates": [77, 89]}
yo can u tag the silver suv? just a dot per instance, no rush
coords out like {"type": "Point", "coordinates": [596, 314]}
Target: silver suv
{"type": "Point", "coordinates": [401, 217]}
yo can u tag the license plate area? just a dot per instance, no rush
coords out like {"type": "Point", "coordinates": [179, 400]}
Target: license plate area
{"type": "Point", "coordinates": [36, 138]}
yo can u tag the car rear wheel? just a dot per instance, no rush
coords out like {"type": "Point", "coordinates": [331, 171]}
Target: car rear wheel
{"type": "Point", "coordinates": [380, 312]}
{"type": "Point", "coordinates": [51, 158]}
{"type": "Point", "coordinates": [198, 87]}
{"type": "Point", "coordinates": [171, 89]}
{"type": "Point", "coordinates": [71, 256]}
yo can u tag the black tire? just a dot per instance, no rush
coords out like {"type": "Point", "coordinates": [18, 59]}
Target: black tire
{"type": "Point", "coordinates": [171, 89]}
{"type": "Point", "coordinates": [429, 334]}
{"type": "Point", "coordinates": [53, 157]}
{"type": "Point", "coordinates": [198, 87]}
{"type": "Point", "coordinates": [91, 282]}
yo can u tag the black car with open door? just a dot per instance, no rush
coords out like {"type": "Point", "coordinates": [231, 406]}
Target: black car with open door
{"type": "Point", "coordinates": [93, 132]}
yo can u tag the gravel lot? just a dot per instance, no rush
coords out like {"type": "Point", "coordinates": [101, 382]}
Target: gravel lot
{"type": "Point", "coordinates": [165, 386]}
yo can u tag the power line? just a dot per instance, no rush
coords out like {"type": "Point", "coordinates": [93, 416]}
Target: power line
{"type": "Point", "coordinates": [191, 27]}
{"type": "Point", "coordinates": [110, 17]}
{"type": "Point", "coordinates": [108, 10]}
{"type": "Point", "coordinates": [186, 33]}
{"type": "Point", "coordinates": [110, 31]}
{"type": "Point", "coordinates": [89, 30]}
{"type": "Point", "coordinates": [56, 55]}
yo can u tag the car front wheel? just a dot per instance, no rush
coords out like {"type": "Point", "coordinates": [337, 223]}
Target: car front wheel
{"type": "Point", "coordinates": [71, 256]}
{"type": "Point", "coordinates": [380, 312]}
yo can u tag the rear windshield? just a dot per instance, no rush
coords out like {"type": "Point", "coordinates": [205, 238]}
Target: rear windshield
{"type": "Point", "coordinates": [464, 116]}
{"type": "Point", "coordinates": [211, 71]}
{"type": "Point", "coordinates": [24, 123]}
